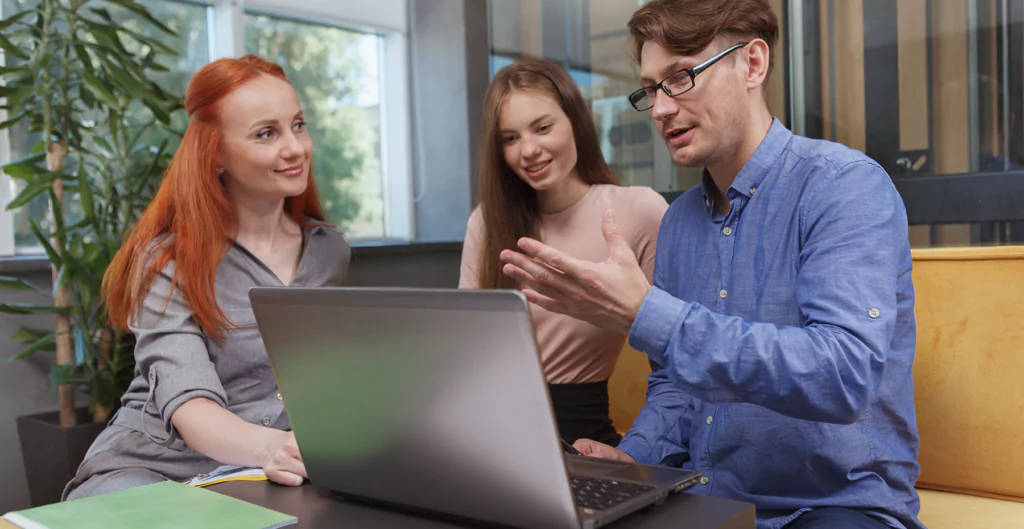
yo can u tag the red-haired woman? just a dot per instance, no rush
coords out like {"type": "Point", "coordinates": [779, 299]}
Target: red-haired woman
{"type": "Point", "coordinates": [237, 208]}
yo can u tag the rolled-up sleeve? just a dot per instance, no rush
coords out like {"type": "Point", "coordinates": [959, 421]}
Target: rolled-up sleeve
{"type": "Point", "coordinates": [171, 352]}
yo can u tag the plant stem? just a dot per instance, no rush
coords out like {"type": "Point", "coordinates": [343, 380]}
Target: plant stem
{"type": "Point", "coordinates": [55, 153]}
{"type": "Point", "coordinates": [101, 411]}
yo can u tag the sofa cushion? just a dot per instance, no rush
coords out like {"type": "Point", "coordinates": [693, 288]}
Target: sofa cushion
{"type": "Point", "coordinates": [946, 510]}
{"type": "Point", "coordinates": [627, 388]}
{"type": "Point", "coordinates": [967, 370]}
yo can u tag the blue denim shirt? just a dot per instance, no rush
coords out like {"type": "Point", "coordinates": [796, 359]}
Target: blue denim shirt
{"type": "Point", "coordinates": [781, 338]}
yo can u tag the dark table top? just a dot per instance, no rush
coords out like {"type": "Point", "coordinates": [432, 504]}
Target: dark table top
{"type": "Point", "coordinates": [318, 508]}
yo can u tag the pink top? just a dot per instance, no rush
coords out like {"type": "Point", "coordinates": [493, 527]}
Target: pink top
{"type": "Point", "coordinates": [573, 351]}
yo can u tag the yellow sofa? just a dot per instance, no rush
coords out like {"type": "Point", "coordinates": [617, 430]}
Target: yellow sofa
{"type": "Point", "coordinates": [969, 386]}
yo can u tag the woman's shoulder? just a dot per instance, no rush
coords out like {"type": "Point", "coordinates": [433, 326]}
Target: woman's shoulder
{"type": "Point", "coordinates": [330, 242]}
{"type": "Point", "coordinates": [631, 201]}
{"type": "Point", "coordinates": [633, 196]}
{"type": "Point", "coordinates": [475, 224]}
{"type": "Point", "coordinates": [638, 209]}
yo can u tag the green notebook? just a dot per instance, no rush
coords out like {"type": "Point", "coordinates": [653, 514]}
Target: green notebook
{"type": "Point", "coordinates": [161, 505]}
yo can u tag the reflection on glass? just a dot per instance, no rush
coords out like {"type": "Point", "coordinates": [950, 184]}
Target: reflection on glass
{"type": "Point", "coordinates": [924, 88]}
{"type": "Point", "coordinates": [336, 74]}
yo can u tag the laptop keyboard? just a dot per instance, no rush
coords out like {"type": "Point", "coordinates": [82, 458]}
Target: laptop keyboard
{"type": "Point", "coordinates": [600, 494]}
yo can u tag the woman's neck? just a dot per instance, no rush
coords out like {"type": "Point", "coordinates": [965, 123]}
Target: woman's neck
{"type": "Point", "coordinates": [563, 196]}
{"type": "Point", "coordinates": [263, 227]}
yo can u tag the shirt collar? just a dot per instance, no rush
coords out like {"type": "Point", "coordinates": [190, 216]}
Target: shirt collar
{"type": "Point", "coordinates": [757, 167]}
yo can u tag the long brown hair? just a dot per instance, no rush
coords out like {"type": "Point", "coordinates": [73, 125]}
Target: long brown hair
{"type": "Point", "coordinates": [509, 206]}
{"type": "Point", "coordinates": [191, 208]}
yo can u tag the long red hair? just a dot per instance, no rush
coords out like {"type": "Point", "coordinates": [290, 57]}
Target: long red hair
{"type": "Point", "coordinates": [191, 213]}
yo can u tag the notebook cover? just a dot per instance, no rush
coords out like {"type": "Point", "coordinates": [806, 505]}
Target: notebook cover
{"type": "Point", "coordinates": [164, 505]}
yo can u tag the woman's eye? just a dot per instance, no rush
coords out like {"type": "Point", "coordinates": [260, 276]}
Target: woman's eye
{"type": "Point", "coordinates": [301, 125]}
{"type": "Point", "coordinates": [264, 134]}
{"type": "Point", "coordinates": [544, 128]}
{"type": "Point", "coordinates": [508, 139]}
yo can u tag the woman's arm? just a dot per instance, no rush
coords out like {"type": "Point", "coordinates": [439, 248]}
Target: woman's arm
{"type": "Point", "coordinates": [186, 393]}
{"type": "Point", "coordinates": [221, 435]}
{"type": "Point", "coordinates": [469, 271]}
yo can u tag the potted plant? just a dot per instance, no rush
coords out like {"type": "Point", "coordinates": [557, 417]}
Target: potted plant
{"type": "Point", "coordinates": [79, 77]}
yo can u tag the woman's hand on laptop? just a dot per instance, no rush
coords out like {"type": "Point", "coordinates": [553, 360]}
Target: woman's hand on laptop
{"type": "Point", "coordinates": [592, 448]}
{"type": "Point", "coordinates": [282, 462]}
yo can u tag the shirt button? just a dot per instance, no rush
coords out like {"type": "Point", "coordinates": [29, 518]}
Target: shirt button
{"type": "Point", "coordinates": [266, 421]}
{"type": "Point", "coordinates": [874, 313]}
{"type": "Point", "coordinates": [753, 190]}
{"type": "Point", "coordinates": [710, 420]}
{"type": "Point", "coordinates": [722, 293]}
{"type": "Point", "coordinates": [703, 480]}
{"type": "Point", "coordinates": [279, 397]}
{"type": "Point", "coordinates": [727, 231]}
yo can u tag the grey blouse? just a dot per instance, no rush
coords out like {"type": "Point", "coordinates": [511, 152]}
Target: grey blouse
{"type": "Point", "coordinates": [177, 362]}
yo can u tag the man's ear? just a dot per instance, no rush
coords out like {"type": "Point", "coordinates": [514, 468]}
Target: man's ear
{"type": "Point", "coordinates": [758, 56]}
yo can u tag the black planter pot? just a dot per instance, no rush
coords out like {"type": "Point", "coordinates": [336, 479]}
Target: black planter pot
{"type": "Point", "coordinates": [52, 454]}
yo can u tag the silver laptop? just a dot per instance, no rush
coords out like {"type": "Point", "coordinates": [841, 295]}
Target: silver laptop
{"type": "Point", "coordinates": [434, 400]}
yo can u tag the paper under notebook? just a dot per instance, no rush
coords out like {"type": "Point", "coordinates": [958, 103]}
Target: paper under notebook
{"type": "Point", "coordinates": [163, 505]}
{"type": "Point", "coordinates": [227, 473]}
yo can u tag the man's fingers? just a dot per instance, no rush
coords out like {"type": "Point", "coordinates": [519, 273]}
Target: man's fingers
{"type": "Point", "coordinates": [587, 447]}
{"type": "Point", "coordinates": [533, 273]}
{"type": "Point", "coordinates": [617, 245]}
{"type": "Point", "coordinates": [545, 302]}
{"type": "Point", "coordinates": [551, 257]}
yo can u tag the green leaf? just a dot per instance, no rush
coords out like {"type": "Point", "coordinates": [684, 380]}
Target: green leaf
{"type": "Point", "coordinates": [98, 89]}
{"type": "Point", "coordinates": [60, 280]}
{"type": "Point", "coordinates": [81, 274]}
{"type": "Point", "coordinates": [66, 374]}
{"type": "Point", "coordinates": [16, 283]}
{"type": "Point", "coordinates": [85, 195]}
{"type": "Point", "coordinates": [16, 95]}
{"type": "Point", "coordinates": [58, 217]}
{"type": "Point", "coordinates": [10, 91]}
{"type": "Point", "coordinates": [14, 119]}
{"type": "Point", "coordinates": [25, 168]}
{"type": "Point", "coordinates": [10, 48]}
{"type": "Point", "coordinates": [41, 343]}
{"type": "Point", "coordinates": [156, 45]}
{"type": "Point", "coordinates": [32, 190]}
{"type": "Point", "coordinates": [26, 335]}
{"type": "Point", "coordinates": [44, 241]}
{"type": "Point", "coordinates": [104, 14]}
{"type": "Point", "coordinates": [102, 143]}
{"type": "Point", "coordinates": [84, 57]}
{"type": "Point", "coordinates": [4, 70]}
{"type": "Point", "coordinates": [21, 308]}
{"type": "Point", "coordinates": [128, 84]}
{"type": "Point", "coordinates": [7, 22]}
{"type": "Point", "coordinates": [81, 349]}
{"type": "Point", "coordinates": [158, 112]}
{"type": "Point", "coordinates": [140, 10]}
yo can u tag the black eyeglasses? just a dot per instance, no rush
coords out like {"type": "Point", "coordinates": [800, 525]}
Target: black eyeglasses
{"type": "Point", "coordinates": [677, 83]}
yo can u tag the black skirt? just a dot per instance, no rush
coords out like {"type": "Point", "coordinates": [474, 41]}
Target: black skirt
{"type": "Point", "coordinates": [581, 412]}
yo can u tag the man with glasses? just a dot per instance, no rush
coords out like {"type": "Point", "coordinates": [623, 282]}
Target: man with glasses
{"type": "Point", "coordinates": [780, 326]}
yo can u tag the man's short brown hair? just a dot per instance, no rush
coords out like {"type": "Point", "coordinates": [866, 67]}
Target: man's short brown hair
{"type": "Point", "coordinates": [686, 27]}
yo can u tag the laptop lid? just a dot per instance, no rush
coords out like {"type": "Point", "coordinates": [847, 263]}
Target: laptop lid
{"type": "Point", "coordinates": [430, 399]}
